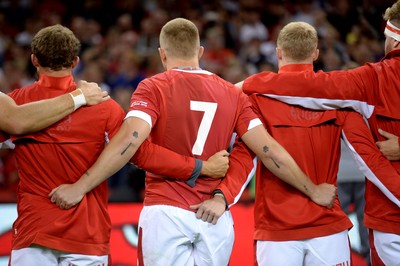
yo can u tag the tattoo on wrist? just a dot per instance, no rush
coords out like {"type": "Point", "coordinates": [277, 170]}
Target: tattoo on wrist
{"type": "Point", "coordinates": [305, 188]}
{"type": "Point", "coordinates": [265, 150]}
{"type": "Point", "coordinates": [135, 134]}
{"type": "Point", "coordinates": [87, 173]}
{"type": "Point", "coordinates": [127, 147]}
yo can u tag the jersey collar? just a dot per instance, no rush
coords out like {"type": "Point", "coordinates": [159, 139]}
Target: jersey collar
{"type": "Point", "coordinates": [56, 82]}
{"type": "Point", "coordinates": [296, 68]}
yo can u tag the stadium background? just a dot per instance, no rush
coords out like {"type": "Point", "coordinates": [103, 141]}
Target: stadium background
{"type": "Point", "coordinates": [119, 49]}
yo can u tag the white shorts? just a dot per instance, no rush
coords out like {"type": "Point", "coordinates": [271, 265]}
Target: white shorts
{"type": "Point", "coordinates": [327, 250]}
{"type": "Point", "coordinates": [173, 236]}
{"type": "Point", "coordinates": [385, 248]}
{"type": "Point", "coordinates": [41, 256]}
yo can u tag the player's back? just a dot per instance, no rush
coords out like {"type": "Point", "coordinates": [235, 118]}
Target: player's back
{"type": "Point", "coordinates": [193, 113]}
{"type": "Point", "coordinates": [313, 139]}
{"type": "Point", "coordinates": [61, 154]}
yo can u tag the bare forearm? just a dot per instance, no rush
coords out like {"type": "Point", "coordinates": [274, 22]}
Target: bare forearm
{"type": "Point", "coordinates": [116, 154]}
{"type": "Point", "coordinates": [109, 162]}
{"type": "Point", "coordinates": [282, 165]}
{"type": "Point", "coordinates": [38, 115]}
{"type": "Point", "coordinates": [34, 116]}
{"type": "Point", "coordinates": [277, 159]}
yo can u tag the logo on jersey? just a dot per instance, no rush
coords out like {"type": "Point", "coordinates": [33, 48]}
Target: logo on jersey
{"type": "Point", "coordinates": [139, 103]}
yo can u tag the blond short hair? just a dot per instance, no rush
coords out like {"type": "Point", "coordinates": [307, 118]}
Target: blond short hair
{"type": "Point", "coordinates": [55, 47]}
{"type": "Point", "coordinates": [298, 40]}
{"type": "Point", "coordinates": [180, 38]}
{"type": "Point", "coordinates": [393, 14]}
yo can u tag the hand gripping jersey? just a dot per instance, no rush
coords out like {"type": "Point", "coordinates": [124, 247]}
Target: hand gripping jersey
{"type": "Point", "coordinates": [193, 113]}
{"type": "Point", "coordinates": [56, 155]}
{"type": "Point", "coordinates": [373, 90]}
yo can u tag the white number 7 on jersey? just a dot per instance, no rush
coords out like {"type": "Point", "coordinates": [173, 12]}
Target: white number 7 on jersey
{"type": "Point", "coordinates": [209, 110]}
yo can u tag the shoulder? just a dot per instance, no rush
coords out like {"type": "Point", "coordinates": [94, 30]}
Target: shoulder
{"type": "Point", "coordinates": [110, 104]}
{"type": "Point", "coordinates": [108, 108]}
{"type": "Point", "coordinates": [23, 93]}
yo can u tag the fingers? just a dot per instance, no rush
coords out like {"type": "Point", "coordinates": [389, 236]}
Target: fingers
{"type": "Point", "coordinates": [66, 206]}
{"type": "Point", "coordinates": [63, 205]}
{"type": "Point", "coordinates": [386, 134]}
{"type": "Point", "coordinates": [52, 192]}
{"type": "Point", "coordinates": [210, 218]}
{"type": "Point", "coordinates": [60, 205]}
{"type": "Point", "coordinates": [207, 217]}
{"type": "Point", "coordinates": [223, 153]}
{"type": "Point", "coordinates": [378, 144]}
{"type": "Point", "coordinates": [194, 207]}
{"type": "Point", "coordinates": [199, 213]}
{"type": "Point", "coordinates": [106, 98]}
{"type": "Point", "coordinates": [56, 200]}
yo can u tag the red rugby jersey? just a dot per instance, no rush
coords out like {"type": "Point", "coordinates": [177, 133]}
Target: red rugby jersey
{"type": "Point", "coordinates": [193, 113]}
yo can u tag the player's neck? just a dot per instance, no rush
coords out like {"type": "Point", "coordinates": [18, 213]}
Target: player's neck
{"type": "Point", "coordinates": [289, 61]}
{"type": "Point", "coordinates": [60, 73]}
{"type": "Point", "coordinates": [183, 64]}
{"type": "Point", "coordinates": [187, 68]}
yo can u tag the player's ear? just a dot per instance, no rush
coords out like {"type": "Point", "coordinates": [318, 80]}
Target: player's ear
{"type": "Point", "coordinates": [75, 62]}
{"type": "Point", "coordinates": [162, 54]}
{"type": "Point", "coordinates": [315, 55]}
{"type": "Point", "coordinates": [201, 51]}
{"type": "Point", "coordinates": [35, 61]}
{"type": "Point", "coordinates": [278, 53]}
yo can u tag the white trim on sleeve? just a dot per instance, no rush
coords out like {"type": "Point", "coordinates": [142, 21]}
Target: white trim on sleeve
{"type": "Point", "coordinates": [140, 114]}
{"type": "Point", "coordinates": [368, 172]}
{"type": "Point", "coordinates": [253, 123]}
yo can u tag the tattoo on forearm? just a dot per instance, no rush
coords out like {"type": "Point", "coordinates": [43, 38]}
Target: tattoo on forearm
{"type": "Point", "coordinates": [305, 188]}
{"type": "Point", "coordinates": [266, 149]}
{"type": "Point", "coordinates": [127, 147]}
{"type": "Point", "coordinates": [135, 134]}
{"type": "Point", "coordinates": [276, 164]}
{"type": "Point", "coordinates": [87, 173]}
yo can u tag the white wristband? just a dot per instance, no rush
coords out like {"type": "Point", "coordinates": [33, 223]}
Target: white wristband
{"type": "Point", "coordinates": [78, 98]}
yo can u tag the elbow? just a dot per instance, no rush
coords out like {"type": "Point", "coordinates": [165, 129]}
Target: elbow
{"type": "Point", "coordinates": [17, 128]}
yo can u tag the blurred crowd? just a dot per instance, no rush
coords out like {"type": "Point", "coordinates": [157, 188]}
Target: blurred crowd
{"type": "Point", "coordinates": [120, 40]}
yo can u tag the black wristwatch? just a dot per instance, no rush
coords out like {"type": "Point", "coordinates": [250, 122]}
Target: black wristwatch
{"type": "Point", "coordinates": [220, 193]}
